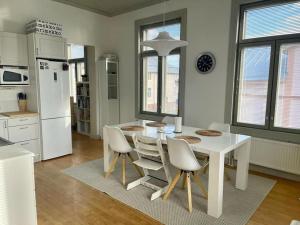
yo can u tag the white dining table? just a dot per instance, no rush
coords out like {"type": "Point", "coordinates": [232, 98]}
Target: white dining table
{"type": "Point", "coordinates": [215, 147]}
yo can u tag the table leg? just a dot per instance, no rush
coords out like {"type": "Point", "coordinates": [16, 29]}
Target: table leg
{"type": "Point", "coordinates": [106, 151]}
{"type": "Point", "coordinates": [215, 184]}
{"type": "Point", "coordinates": [243, 157]}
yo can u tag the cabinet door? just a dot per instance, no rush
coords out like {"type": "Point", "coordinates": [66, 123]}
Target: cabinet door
{"type": "Point", "coordinates": [3, 129]}
{"type": "Point", "coordinates": [33, 146]}
{"type": "Point", "coordinates": [13, 49]}
{"type": "Point", "coordinates": [23, 133]}
{"type": "Point", "coordinates": [50, 47]}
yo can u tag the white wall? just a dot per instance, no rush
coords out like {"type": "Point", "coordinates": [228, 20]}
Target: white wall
{"type": "Point", "coordinates": [80, 26]}
{"type": "Point", "coordinates": [208, 23]}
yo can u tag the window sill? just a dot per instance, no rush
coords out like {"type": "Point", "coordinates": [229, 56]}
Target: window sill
{"type": "Point", "coordinates": [267, 134]}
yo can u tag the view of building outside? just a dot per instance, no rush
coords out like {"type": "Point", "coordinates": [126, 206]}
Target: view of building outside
{"type": "Point", "coordinates": [278, 19]}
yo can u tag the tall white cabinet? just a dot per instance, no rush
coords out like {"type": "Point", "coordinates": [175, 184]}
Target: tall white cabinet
{"type": "Point", "coordinates": [109, 86]}
{"type": "Point", "coordinates": [17, 188]}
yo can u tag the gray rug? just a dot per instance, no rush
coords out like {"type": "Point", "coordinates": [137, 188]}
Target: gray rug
{"type": "Point", "coordinates": [238, 206]}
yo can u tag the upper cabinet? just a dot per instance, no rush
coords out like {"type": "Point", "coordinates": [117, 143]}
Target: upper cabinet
{"type": "Point", "coordinates": [48, 47]}
{"type": "Point", "coordinates": [13, 49]}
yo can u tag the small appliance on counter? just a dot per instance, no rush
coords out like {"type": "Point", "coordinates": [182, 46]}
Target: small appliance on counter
{"type": "Point", "coordinates": [22, 102]}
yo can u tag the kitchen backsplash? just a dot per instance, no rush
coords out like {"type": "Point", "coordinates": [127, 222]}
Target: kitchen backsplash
{"type": "Point", "coordinates": [8, 99]}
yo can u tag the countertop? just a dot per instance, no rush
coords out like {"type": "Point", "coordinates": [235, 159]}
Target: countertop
{"type": "Point", "coordinates": [18, 114]}
{"type": "Point", "coordinates": [4, 143]}
{"type": "Point", "coordinates": [12, 151]}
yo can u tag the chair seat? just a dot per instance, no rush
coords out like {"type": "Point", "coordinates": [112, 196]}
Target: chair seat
{"type": "Point", "coordinates": [147, 152]}
{"type": "Point", "coordinates": [148, 164]}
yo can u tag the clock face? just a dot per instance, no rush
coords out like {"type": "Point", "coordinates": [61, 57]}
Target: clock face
{"type": "Point", "coordinates": [205, 63]}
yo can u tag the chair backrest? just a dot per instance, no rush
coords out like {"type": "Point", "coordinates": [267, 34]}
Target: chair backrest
{"type": "Point", "coordinates": [223, 127]}
{"type": "Point", "coordinates": [116, 140]}
{"type": "Point", "coordinates": [142, 143]}
{"type": "Point", "coordinates": [168, 119]}
{"type": "Point", "coordinates": [181, 155]}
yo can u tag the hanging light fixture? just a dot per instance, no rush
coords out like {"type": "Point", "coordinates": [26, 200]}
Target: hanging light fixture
{"type": "Point", "coordinates": [164, 43]}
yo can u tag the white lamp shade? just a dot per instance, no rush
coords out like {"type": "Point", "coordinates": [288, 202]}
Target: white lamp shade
{"type": "Point", "coordinates": [164, 43]}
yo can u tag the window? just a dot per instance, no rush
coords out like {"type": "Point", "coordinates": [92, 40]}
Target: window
{"type": "Point", "coordinates": [77, 67]}
{"type": "Point", "coordinates": [160, 77]}
{"type": "Point", "coordinates": [267, 93]}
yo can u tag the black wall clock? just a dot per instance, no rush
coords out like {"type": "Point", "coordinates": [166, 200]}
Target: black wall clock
{"type": "Point", "coordinates": [205, 62]}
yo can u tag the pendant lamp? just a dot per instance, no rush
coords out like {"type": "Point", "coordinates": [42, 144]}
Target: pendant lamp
{"type": "Point", "coordinates": [164, 43]}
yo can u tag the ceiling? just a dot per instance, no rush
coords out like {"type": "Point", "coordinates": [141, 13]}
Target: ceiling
{"type": "Point", "coordinates": [110, 7]}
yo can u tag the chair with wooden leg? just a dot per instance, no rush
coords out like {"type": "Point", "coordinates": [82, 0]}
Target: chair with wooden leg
{"type": "Point", "coordinates": [118, 143]}
{"type": "Point", "coordinates": [183, 158]}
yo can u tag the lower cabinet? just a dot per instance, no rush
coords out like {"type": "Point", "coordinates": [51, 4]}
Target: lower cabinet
{"type": "Point", "coordinates": [33, 146]}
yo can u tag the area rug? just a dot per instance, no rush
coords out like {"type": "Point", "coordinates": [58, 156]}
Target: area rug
{"type": "Point", "coordinates": [238, 206]}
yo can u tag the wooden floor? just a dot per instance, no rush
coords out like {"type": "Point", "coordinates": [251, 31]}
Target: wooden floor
{"type": "Point", "coordinates": [62, 200]}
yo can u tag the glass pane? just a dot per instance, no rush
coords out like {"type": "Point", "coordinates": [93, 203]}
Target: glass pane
{"type": "Point", "coordinates": [149, 34]}
{"type": "Point", "coordinates": [75, 51]}
{"type": "Point", "coordinates": [171, 85]}
{"type": "Point", "coordinates": [273, 20]}
{"type": "Point", "coordinates": [81, 72]}
{"type": "Point", "coordinates": [287, 111]}
{"type": "Point", "coordinates": [253, 85]}
{"type": "Point", "coordinates": [72, 77]}
{"type": "Point", "coordinates": [150, 81]}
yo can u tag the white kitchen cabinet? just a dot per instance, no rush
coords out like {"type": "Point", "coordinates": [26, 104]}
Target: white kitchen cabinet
{"type": "Point", "coordinates": [23, 133]}
{"type": "Point", "coordinates": [13, 49]}
{"type": "Point", "coordinates": [48, 46]}
{"type": "Point", "coordinates": [33, 146]}
{"type": "Point", "coordinates": [17, 187]}
{"type": "Point", "coordinates": [3, 129]}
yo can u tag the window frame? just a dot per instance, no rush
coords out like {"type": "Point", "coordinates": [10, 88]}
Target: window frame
{"type": "Point", "coordinates": [275, 42]}
{"type": "Point", "coordinates": [151, 22]}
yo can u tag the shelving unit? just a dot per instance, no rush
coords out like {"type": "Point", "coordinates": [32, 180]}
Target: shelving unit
{"type": "Point", "coordinates": [83, 107]}
{"type": "Point", "coordinates": [109, 86]}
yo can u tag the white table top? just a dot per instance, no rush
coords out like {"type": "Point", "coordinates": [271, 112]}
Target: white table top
{"type": "Point", "coordinates": [224, 143]}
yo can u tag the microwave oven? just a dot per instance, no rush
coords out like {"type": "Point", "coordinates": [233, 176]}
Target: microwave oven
{"type": "Point", "coordinates": [13, 76]}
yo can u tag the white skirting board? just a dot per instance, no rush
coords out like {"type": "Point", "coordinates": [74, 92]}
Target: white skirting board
{"type": "Point", "coordinates": [276, 155]}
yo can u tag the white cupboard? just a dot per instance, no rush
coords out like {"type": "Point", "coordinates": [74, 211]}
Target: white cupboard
{"type": "Point", "coordinates": [3, 129]}
{"type": "Point", "coordinates": [17, 187]}
{"type": "Point", "coordinates": [13, 49]}
{"type": "Point", "coordinates": [48, 46]}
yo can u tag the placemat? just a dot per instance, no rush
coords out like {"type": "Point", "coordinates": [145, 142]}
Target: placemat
{"type": "Point", "coordinates": [189, 139]}
{"type": "Point", "coordinates": [210, 133]}
{"type": "Point", "coordinates": [132, 128]}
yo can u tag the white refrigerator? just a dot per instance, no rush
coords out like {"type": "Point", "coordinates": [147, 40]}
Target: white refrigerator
{"type": "Point", "coordinates": [54, 104]}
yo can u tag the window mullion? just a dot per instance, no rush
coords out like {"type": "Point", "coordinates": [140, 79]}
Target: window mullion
{"type": "Point", "coordinates": [159, 86]}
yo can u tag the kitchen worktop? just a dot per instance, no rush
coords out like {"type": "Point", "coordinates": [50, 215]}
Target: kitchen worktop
{"type": "Point", "coordinates": [4, 143]}
{"type": "Point", "coordinates": [18, 114]}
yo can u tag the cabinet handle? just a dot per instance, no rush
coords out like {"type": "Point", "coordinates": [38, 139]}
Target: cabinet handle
{"type": "Point", "coordinates": [24, 144]}
{"type": "Point", "coordinates": [37, 51]}
{"type": "Point", "coordinates": [23, 120]}
{"type": "Point", "coordinates": [23, 128]}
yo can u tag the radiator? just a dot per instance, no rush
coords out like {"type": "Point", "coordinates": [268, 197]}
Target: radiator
{"type": "Point", "coordinates": [275, 155]}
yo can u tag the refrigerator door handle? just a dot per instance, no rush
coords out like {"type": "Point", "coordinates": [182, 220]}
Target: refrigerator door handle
{"type": "Point", "coordinates": [55, 76]}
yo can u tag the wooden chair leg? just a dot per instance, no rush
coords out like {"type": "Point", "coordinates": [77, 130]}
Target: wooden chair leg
{"type": "Point", "coordinates": [172, 185]}
{"type": "Point", "coordinates": [112, 165]}
{"type": "Point", "coordinates": [183, 181]}
{"type": "Point", "coordinates": [135, 166]}
{"type": "Point", "coordinates": [201, 185]}
{"type": "Point", "coordinates": [124, 169]}
{"type": "Point", "coordinates": [227, 177]}
{"type": "Point", "coordinates": [188, 181]}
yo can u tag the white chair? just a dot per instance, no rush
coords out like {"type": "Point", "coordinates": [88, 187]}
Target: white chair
{"type": "Point", "coordinates": [118, 143]}
{"type": "Point", "coordinates": [151, 157]}
{"type": "Point", "coordinates": [168, 120]}
{"type": "Point", "coordinates": [183, 158]}
{"type": "Point", "coordinates": [295, 222]}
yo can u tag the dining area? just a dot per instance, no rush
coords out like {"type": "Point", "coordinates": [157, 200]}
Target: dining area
{"type": "Point", "coordinates": [181, 152]}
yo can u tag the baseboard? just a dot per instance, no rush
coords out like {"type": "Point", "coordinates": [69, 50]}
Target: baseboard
{"type": "Point", "coordinates": [275, 173]}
